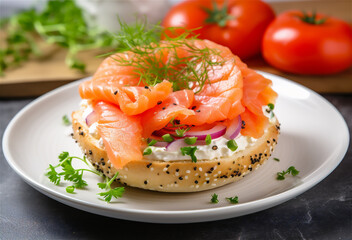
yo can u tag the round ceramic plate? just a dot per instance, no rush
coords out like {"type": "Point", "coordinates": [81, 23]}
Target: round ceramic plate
{"type": "Point", "coordinates": [314, 139]}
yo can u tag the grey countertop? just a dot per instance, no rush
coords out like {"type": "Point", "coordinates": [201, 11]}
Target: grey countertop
{"type": "Point", "coordinates": [323, 212]}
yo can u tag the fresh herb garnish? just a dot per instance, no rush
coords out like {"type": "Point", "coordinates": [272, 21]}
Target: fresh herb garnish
{"type": "Point", "coordinates": [147, 151]}
{"type": "Point", "coordinates": [190, 151]}
{"type": "Point", "coordinates": [68, 172]}
{"type": "Point", "coordinates": [214, 198]}
{"type": "Point", "coordinates": [291, 170]}
{"type": "Point", "coordinates": [75, 176]}
{"type": "Point", "coordinates": [233, 200]}
{"type": "Point", "coordinates": [189, 71]}
{"type": "Point", "coordinates": [276, 159]}
{"type": "Point", "coordinates": [70, 189]}
{"type": "Point", "coordinates": [167, 138]}
{"type": "Point", "coordinates": [180, 132]}
{"type": "Point", "coordinates": [232, 145]}
{"type": "Point", "coordinates": [190, 140]}
{"type": "Point", "coordinates": [61, 23]}
{"type": "Point", "coordinates": [271, 109]}
{"type": "Point", "coordinates": [112, 192]}
{"type": "Point", "coordinates": [152, 142]}
{"type": "Point", "coordinates": [208, 139]}
{"type": "Point", "coordinates": [271, 106]}
{"type": "Point", "coordinates": [66, 121]}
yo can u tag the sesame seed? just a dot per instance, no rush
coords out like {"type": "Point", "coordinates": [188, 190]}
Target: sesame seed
{"type": "Point", "coordinates": [163, 108]}
{"type": "Point", "coordinates": [188, 171]}
{"type": "Point", "coordinates": [146, 87]}
{"type": "Point", "coordinates": [79, 128]}
{"type": "Point", "coordinates": [90, 152]}
{"type": "Point", "coordinates": [116, 92]}
{"type": "Point", "coordinates": [81, 133]}
{"type": "Point", "coordinates": [148, 165]}
{"type": "Point", "coordinates": [181, 178]}
{"type": "Point", "coordinates": [175, 104]}
{"type": "Point", "coordinates": [186, 177]}
{"type": "Point", "coordinates": [167, 172]}
{"type": "Point", "coordinates": [159, 102]}
{"type": "Point", "coordinates": [214, 147]}
{"type": "Point", "coordinates": [168, 165]}
{"type": "Point", "coordinates": [194, 107]}
{"type": "Point", "coordinates": [145, 182]}
{"type": "Point", "coordinates": [200, 169]}
{"type": "Point", "coordinates": [195, 168]}
{"type": "Point", "coordinates": [101, 159]}
{"type": "Point", "coordinates": [177, 174]}
{"type": "Point", "coordinates": [198, 110]}
{"type": "Point", "coordinates": [196, 181]}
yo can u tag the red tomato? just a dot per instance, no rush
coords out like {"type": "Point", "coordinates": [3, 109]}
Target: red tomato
{"type": "Point", "coordinates": [307, 44]}
{"type": "Point", "coordinates": [237, 24]}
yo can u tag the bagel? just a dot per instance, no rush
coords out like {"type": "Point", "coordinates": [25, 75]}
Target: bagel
{"type": "Point", "coordinates": [177, 175]}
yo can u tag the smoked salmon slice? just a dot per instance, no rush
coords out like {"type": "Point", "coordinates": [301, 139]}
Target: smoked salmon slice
{"type": "Point", "coordinates": [121, 134]}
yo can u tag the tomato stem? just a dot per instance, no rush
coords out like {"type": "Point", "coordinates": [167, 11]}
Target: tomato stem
{"type": "Point", "coordinates": [218, 15]}
{"type": "Point", "coordinates": [312, 18]}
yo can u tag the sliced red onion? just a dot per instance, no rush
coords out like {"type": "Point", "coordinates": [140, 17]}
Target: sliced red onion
{"type": "Point", "coordinates": [91, 118]}
{"type": "Point", "coordinates": [160, 144]}
{"type": "Point", "coordinates": [176, 145]}
{"type": "Point", "coordinates": [161, 132]}
{"type": "Point", "coordinates": [234, 128]}
{"type": "Point", "coordinates": [215, 132]}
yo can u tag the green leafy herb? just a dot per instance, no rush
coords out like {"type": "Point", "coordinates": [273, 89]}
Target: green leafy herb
{"type": "Point", "coordinates": [61, 23]}
{"type": "Point", "coordinates": [180, 132]}
{"type": "Point", "coordinates": [232, 145]}
{"type": "Point", "coordinates": [147, 151]}
{"type": "Point", "coordinates": [291, 170]}
{"type": "Point", "coordinates": [111, 192]}
{"type": "Point", "coordinates": [66, 121]}
{"type": "Point", "coordinates": [312, 18]}
{"type": "Point", "coordinates": [276, 159]}
{"type": "Point", "coordinates": [70, 189]}
{"type": "Point", "coordinates": [189, 71]}
{"type": "Point", "coordinates": [152, 142]}
{"type": "Point", "coordinates": [190, 140]}
{"type": "Point", "coordinates": [271, 106]}
{"type": "Point", "coordinates": [208, 139]}
{"type": "Point", "coordinates": [68, 172]}
{"type": "Point", "coordinates": [190, 151]}
{"type": "Point", "coordinates": [233, 200]}
{"type": "Point", "coordinates": [214, 198]}
{"type": "Point", "coordinates": [167, 138]}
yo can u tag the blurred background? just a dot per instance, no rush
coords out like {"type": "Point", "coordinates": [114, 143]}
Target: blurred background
{"type": "Point", "coordinates": [48, 63]}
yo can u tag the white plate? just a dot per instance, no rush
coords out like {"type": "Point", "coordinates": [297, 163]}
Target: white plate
{"type": "Point", "coordinates": [314, 139]}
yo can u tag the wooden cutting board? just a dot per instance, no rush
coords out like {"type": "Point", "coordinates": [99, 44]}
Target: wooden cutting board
{"type": "Point", "coordinates": [41, 75]}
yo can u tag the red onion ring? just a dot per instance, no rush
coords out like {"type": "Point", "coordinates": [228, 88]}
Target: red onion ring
{"type": "Point", "coordinates": [215, 132]}
{"type": "Point", "coordinates": [176, 145]}
{"type": "Point", "coordinates": [161, 144]}
{"type": "Point", "coordinates": [91, 118]}
{"type": "Point", "coordinates": [234, 128]}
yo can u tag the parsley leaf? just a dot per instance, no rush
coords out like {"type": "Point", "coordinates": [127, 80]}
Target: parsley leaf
{"type": "Point", "coordinates": [291, 170]}
{"type": "Point", "coordinates": [214, 198]}
{"type": "Point", "coordinates": [112, 192]}
{"type": "Point", "coordinates": [189, 151]}
{"type": "Point", "coordinates": [53, 175]}
{"type": "Point", "coordinates": [232, 145]}
{"type": "Point", "coordinates": [66, 121]}
{"type": "Point", "coordinates": [208, 139]}
{"type": "Point", "coordinates": [233, 200]}
{"type": "Point", "coordinates": [271, 106]}
{"type": "Point", "coordinates": [190, 140]}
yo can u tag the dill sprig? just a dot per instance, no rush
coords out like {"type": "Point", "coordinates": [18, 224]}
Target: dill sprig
{"type": "Point", "coordinates": [176, 59]}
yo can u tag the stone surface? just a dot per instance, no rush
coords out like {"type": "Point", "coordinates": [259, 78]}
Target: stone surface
{"type": "Point", "coordinates": [323, 212]}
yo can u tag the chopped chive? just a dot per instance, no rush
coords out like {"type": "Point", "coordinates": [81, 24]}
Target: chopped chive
{"type": "Point", "coordinates": [190, 140]}
{"type": "Point", "coordinates": [147, 151]}
{"type": "Point", "coordinates": [152, 142]}
{"type": "Point", "coordinates": [232, 145]}
{"type": "Point", "coordinates": [271, 106]}
{"type": "Point", "coordinates": [167, 138]}
{"type": "Point", "coordinates": [70, 189]}
{"type": "Point", "coordinates": [190, 151]}
{"type": "Point", "coordinates": [66, 121]}
{"type": "Point", "coordinates": [208, 139]}
{"type": "Point", "coordinates": [276, 159]}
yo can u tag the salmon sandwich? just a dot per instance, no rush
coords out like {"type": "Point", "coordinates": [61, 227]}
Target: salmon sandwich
{"type": "Point", "coordinates": [180, 115]}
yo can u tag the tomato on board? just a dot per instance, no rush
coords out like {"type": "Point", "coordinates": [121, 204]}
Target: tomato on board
{"type": "Point", "coordinates": [237, 24]}
{"type": "Point", "coordinates": [303, 43]}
